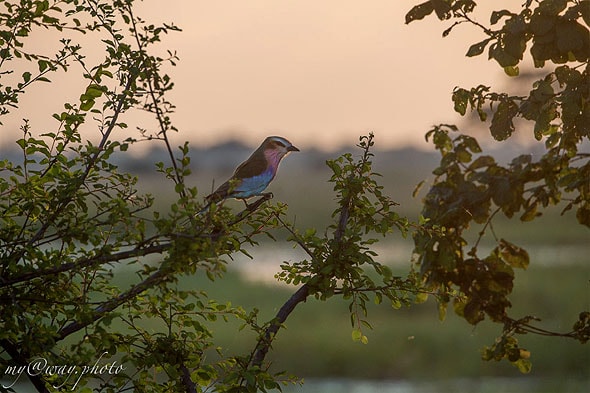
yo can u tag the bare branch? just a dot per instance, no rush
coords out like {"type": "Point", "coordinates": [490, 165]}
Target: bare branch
{"type": "Point", "coordinates": [87, 262]}
{"type": "Point", "coordinates": [187, 381]}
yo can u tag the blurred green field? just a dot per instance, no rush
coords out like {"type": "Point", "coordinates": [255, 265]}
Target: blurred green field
{"type": "Point", "coordinates": [409, 343]}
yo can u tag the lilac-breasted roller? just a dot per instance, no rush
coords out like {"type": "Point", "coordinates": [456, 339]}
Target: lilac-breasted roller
{"type": "Point", "coordinates": [252, 177]}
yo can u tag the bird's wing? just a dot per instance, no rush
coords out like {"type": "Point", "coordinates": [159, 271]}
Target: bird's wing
{"type": "Point", "coordinates": [253, 166]}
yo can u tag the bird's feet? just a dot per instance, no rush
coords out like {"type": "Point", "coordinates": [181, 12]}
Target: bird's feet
{"type": "Point", "coordinates": [263, 197]}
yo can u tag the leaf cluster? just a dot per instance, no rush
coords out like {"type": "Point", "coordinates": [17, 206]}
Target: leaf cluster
{"type": "Point", "coordinates": [472, 188]}
{"type": "Point", "coordinates": [343, 261]}
{"type": "Point", "coordinates": [557, 30]}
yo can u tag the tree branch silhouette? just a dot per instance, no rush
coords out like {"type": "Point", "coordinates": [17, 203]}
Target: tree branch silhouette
{"type": "Point", "coordinates": [265, 341]}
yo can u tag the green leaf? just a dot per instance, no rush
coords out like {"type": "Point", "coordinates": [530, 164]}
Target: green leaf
{"type": "Point", "coordinates": [524, 365]}
{"type": "Point", "coordinates": [498, 52]}
{"type": "Point", "coordinates": [472, 312]}
{"type": "Point", "coordinates": [530, 213]}
{"type": "Point", "coordinates": [573, 38]}
{"type": "Point", "coordinates": [417, 188]}
{"type": "Point", "coordinates": [541, 24]}
{"type": "Point", "coordinates": [378, 298]}
{"type": "Point", "coordinates": [357, 335]}
{"type": "Point", "coordinates": [470, 143]}
{"type": "Point", "coordinates": [442, 311]}
{"type": "Point", "coordinates": [87, 105]}
{"type": "Point", "coordinates": [93, 91]}
{"type": "Point", "coordinates": [481, 162]}
{"type": "Point", "coordinates": [511, 70]}
{"type": "Point", "coordinates": [552, 7]}
{"type": "Point", "coordinates": [463, 156]}
{"type": "Point", "coordinates": [442, 9]}
{"type": "Point", "coordinates": [421, 297]}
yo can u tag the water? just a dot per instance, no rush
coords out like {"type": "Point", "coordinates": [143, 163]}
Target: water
{"type": "Point", "coordinates": [266, 260]}
{"type": "Point", "coordinates": [483, 385]}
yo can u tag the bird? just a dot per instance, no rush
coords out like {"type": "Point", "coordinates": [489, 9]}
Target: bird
{"type": "Point", "coordinates": [252, 176]}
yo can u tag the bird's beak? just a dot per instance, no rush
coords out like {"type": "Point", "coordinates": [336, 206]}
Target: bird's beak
{"type": "Point", "coordinates": [292, 148]}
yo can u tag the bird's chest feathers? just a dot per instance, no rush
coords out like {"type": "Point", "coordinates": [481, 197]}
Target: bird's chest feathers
{"type": "Point", "coordinates": [256, 184]}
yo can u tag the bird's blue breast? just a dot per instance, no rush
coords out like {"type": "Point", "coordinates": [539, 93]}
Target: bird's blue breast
{"type": "Point", "coordinates": [254, 185]}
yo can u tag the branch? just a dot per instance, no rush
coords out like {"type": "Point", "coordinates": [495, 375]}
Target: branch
{"type": "Point", "coordinates": [89, 166]}
{"type": "Point", "coordinates": [186, 380]}
{"type": "Point", "coordinates": [299, 296]}
{"type": "Point", "coordinates": [523, 326]}
{"type": "Point", "coordinates": [265, 341]}
{"type": "Point", "coordinates": [104, 308]}
{"type": "Point", "coordinates": [178, 176]}
{"type": "Point", "coordinates": [108, 306]}
{"type": "Point", "coordinates": [136, 252]}
{"type": "Point", "coordinates": [154, 279]}
{"type": "Point", "coordinates": [86, 262]}
{"type": "Point", "coordinates": [487, 31]}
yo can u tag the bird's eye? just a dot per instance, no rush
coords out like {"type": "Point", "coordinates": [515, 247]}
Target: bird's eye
{"type": "Point", "coordinates": [280, 143]}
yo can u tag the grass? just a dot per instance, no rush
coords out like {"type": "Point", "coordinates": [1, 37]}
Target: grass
{"type": "Point", "coordinates": [409, 343]}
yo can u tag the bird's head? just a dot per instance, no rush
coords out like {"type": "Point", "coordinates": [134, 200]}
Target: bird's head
{"type": "Point", "coordinates": [277, 147]}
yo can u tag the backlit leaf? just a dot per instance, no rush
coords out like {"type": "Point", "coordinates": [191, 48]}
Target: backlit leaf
{"type": "Point", "coordinates": [419, 11]}
{"type": "Point", "coordinates": [502, 126]}
{"type": "Point", "coordinates": [511, 70]}
{"type": "Point", "coordinates": [357, 335]}
{"type": "Point", "coordinates": [513, 255]}
{"type": "Point", "coordinates": [460, 99]}
{"type": "Point", "coordinates": [524, 365]}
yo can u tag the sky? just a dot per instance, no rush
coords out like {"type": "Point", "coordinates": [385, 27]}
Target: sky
{"type": "Point", "coordinates": [319, 73]}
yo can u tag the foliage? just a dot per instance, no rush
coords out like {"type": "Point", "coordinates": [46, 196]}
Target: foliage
{"type": "Point", "coordinates": [472, 188]}
{"type": "Point", "coordinates": [338, 264]}
{"type": "Point", "coordinates": [71, 222]}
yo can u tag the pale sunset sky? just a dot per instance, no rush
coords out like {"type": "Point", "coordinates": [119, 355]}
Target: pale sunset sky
{"type": "Point", "coordinates": [320, 73]}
